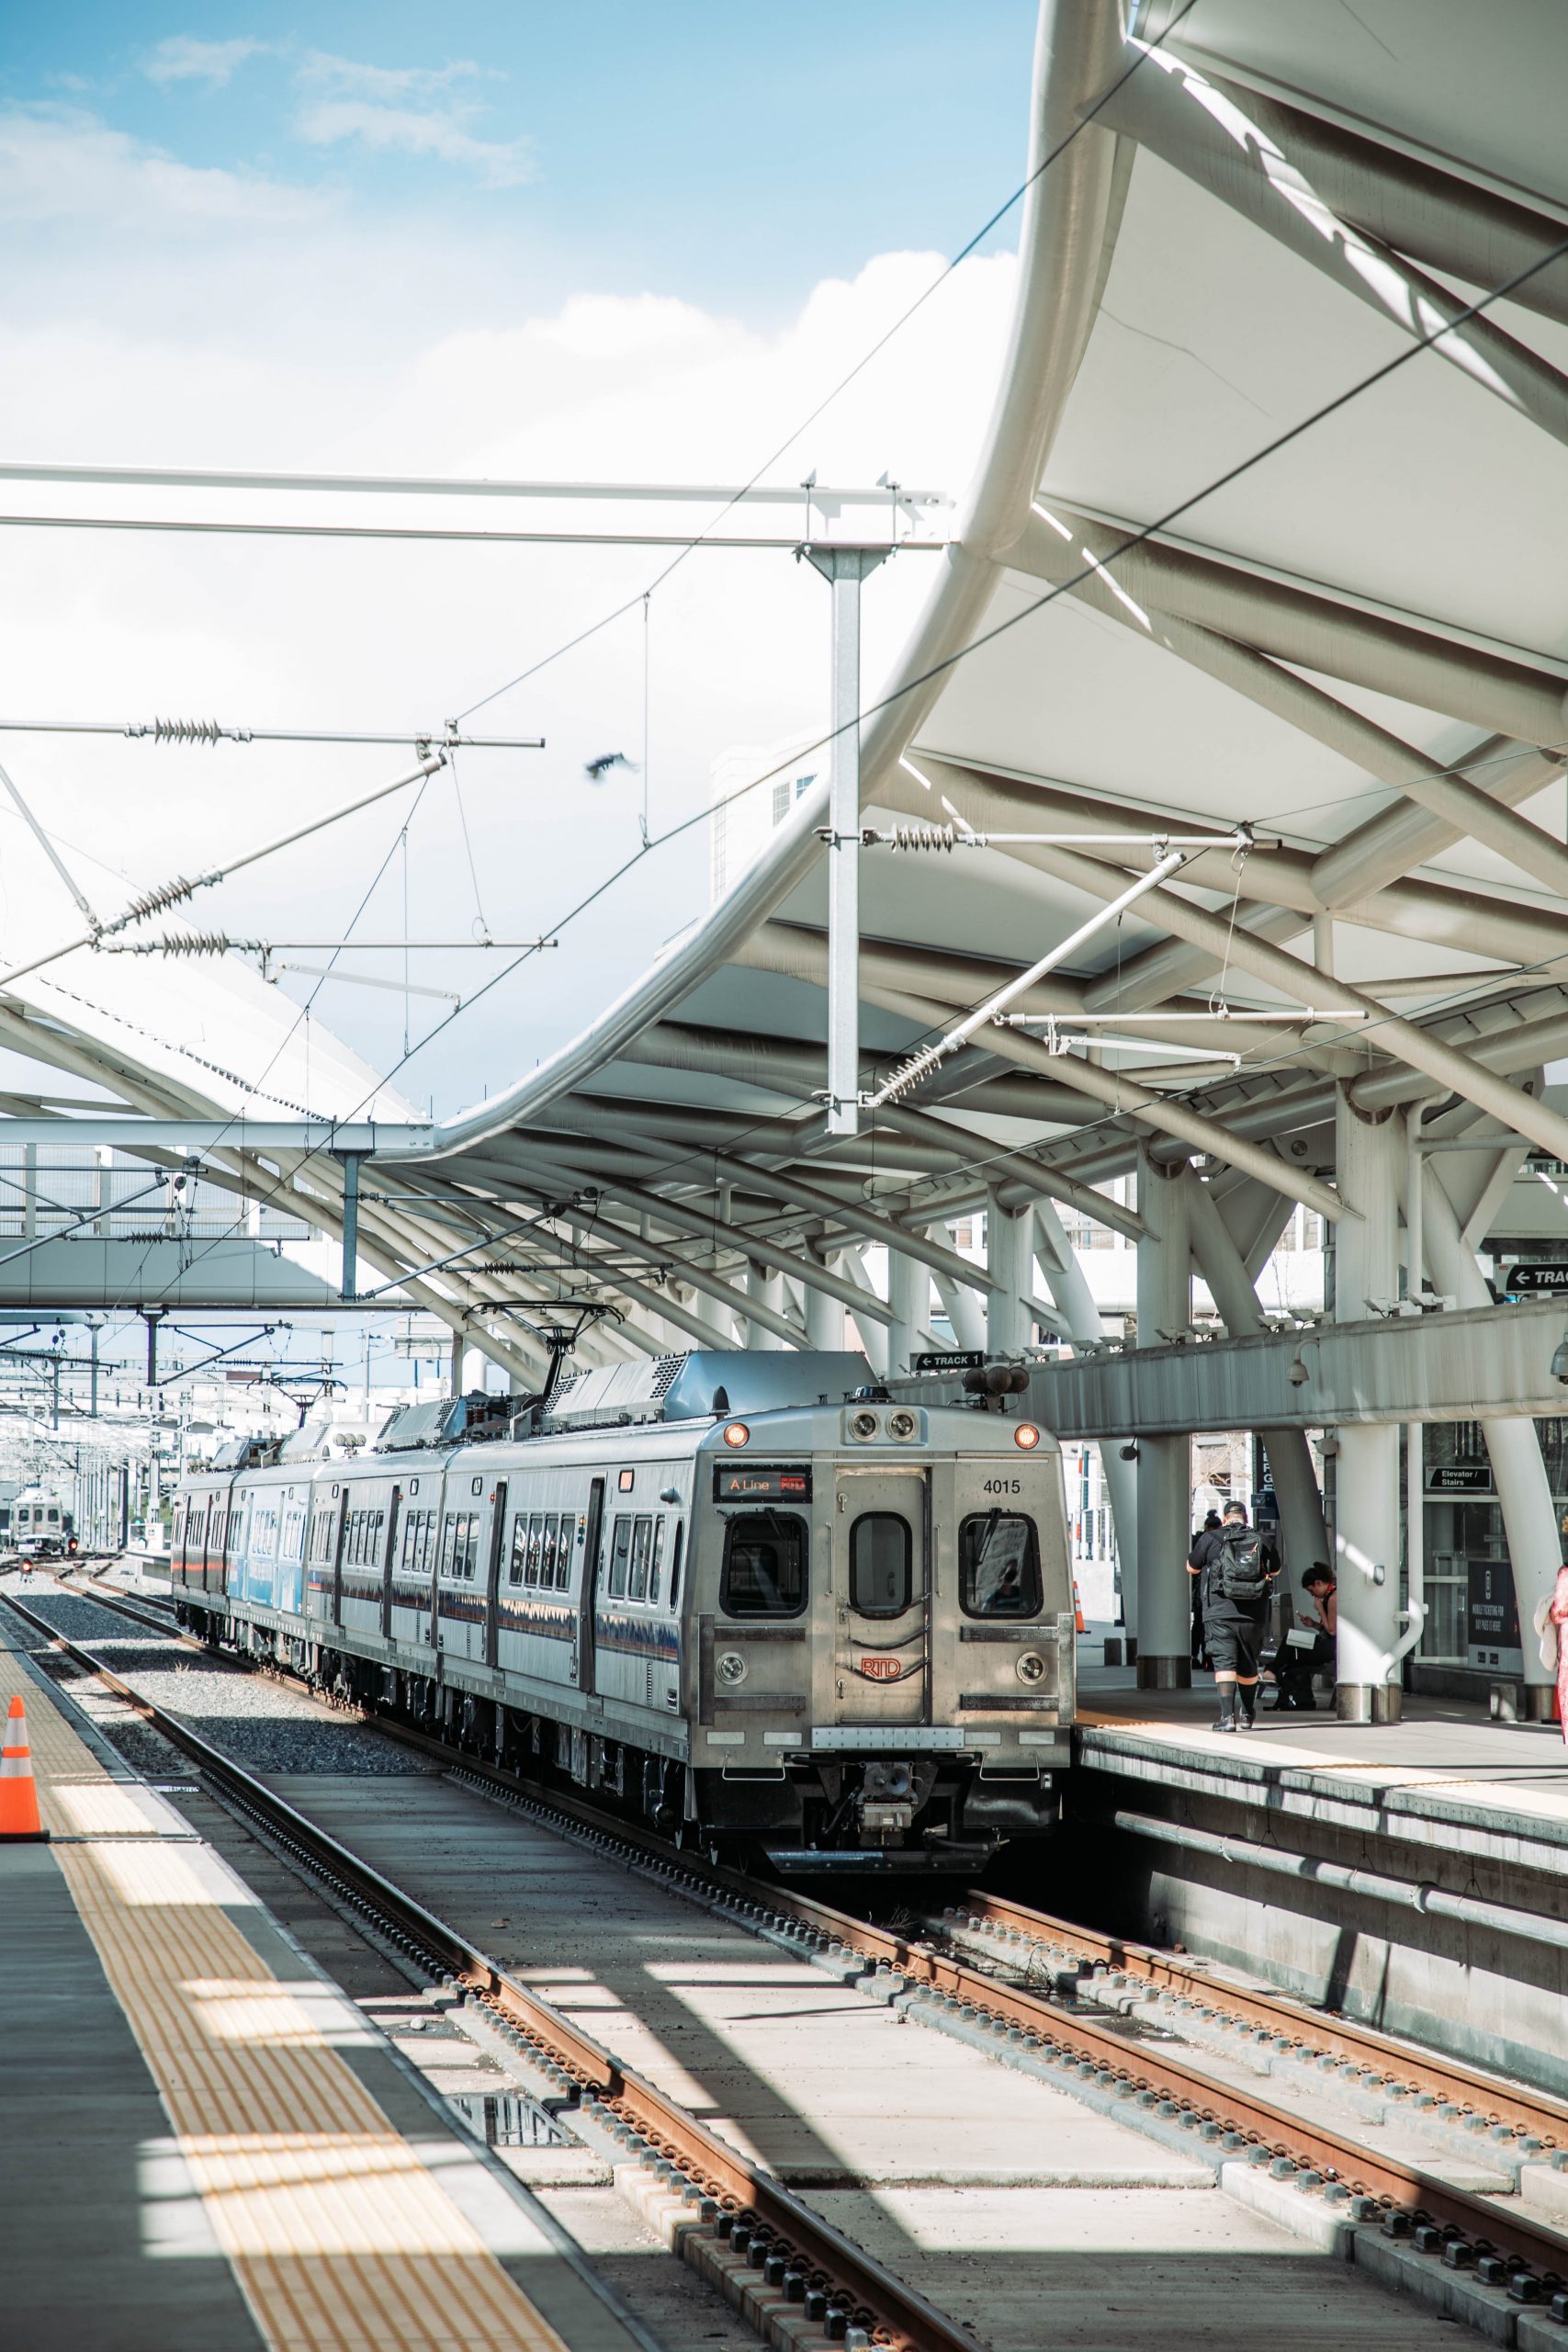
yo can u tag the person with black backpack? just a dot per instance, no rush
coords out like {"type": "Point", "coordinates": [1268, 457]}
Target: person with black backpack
{"type": "Point", "coordinates": [1236, 1565]}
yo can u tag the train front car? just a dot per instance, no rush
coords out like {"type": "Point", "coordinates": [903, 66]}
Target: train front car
{"type": "Point", "coordinates": [881, 1674]}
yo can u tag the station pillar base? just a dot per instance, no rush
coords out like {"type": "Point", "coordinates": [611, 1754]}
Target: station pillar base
{"type": "Point", "coordinates": [1523, 1703]}
{"type": "Point", "coordinates": [1368, 1702]}
{"type": "Point", "coordinates": [1164, 1673]}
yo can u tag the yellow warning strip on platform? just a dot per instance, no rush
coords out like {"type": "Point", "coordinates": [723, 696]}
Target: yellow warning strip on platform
{"type": "Point", "coordinates": [342, 2240]}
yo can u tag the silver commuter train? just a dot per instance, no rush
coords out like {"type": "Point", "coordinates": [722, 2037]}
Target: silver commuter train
{"type": "Point", "coordinates": [746, 1596]}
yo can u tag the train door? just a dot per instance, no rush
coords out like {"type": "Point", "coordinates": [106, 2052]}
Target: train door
{"type": "Point", "coordinates": [881, 1595]}
{"type": "Point", "coordinates": [339, 1541]}
{"type": "Point", "coordinates": [493, 1551]}
{"type": "Point", "coordinates": [582, 1645]}
{"type": "Point", "coordinates": [390, 1561]}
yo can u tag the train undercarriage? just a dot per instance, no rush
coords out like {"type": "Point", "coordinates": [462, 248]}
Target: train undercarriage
{"type": "Point", "coordinates": [877, 1814]}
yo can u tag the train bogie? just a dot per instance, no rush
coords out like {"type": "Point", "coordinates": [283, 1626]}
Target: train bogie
{"type": "Point", "coordinates": [841, 1631]}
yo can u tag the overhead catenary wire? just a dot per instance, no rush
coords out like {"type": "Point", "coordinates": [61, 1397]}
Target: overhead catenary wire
{"type": "Point", "coordinates": [213, 730]}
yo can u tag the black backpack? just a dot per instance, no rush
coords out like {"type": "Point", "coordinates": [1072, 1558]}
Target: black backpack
{"type": "Point", "coordinates": [1243, 1576]}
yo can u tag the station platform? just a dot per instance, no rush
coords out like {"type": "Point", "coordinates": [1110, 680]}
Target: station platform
{"type": "Point", "coordinates": [209, 2147]}
{"type": "Point", "coordinates": [1447, 1777]}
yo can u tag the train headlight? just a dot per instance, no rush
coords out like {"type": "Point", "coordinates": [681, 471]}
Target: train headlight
{"type": "Point", "coordinates": [736, 1433]}
{"type": "Point", "coordinates": [1026, 1435]}
{"type": "Point", "coordinates": [903, 1425]}
{"type": "Point", "coordinates": [864, 1426]}
{"type": "Point", "coordinates": [730, 1668]}
{"type": "Point", "coordinates": [1031, 1667]}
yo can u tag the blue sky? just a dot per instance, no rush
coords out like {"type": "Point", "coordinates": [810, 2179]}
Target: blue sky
{"type": "Point", "coordinates": [732, 155]}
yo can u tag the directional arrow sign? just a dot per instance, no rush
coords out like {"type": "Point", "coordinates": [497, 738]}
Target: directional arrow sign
{"type": "Point", "coordinates": [1538, 1277]}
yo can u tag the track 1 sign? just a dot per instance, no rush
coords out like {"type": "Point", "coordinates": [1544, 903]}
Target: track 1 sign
{"type": "Point", "coordinates": [950, 1360]}
{"type": "Point", "coordinates": [1543, 1276]}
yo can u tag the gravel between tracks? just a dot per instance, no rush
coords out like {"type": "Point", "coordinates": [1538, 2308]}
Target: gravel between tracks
{"type": "Point", "coordinates": [260, 1722]}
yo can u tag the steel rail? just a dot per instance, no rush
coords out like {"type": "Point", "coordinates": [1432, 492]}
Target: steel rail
{"type": "Point", "coordinates": [813, 2251]}
{"type": "Point", "coordinates": [1151, 2073]}
{"type": "Point", "coordinates": [1304, 2026]}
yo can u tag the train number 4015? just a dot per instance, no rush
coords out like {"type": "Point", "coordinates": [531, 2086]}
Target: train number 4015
{"type": "Point", "coordinates": [1004, 1486]}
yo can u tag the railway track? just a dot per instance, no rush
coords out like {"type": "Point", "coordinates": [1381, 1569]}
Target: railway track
{"type": "Point", "coordinates": [1286, 2023]}
{"type": "Point", "coordinates": [834, 2282]}
{"type": "Point", "coordinates": [1468, 2231]}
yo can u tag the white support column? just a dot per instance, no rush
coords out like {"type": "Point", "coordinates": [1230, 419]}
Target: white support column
{"type": "Point", "coordinates": [961, 1305]}
{"type": "Point", "coordinates": [767, 1288]}
{"type": "Point", "coordinates": [455, 1366]}
{"type": "Point", "coordinates": [1289, 1456]}
{"type": "Point", "coordinates": [1369, 1163]}
{"type": "Point", "coordinates": [874, 1335]}
{"type": "Point", "coordinates": [1162, 1617]}
{"type": "Point", "coordinates": [910, 1295]}
{"type": "Point", "coordinates": [1009, 1257]}
{"type": "Point", "coordinates": [824, 1316]}
{"type": "Point", "coordinates": [1074, 1301]}
{"type": "Point", "coordinates": [1524, 1491]}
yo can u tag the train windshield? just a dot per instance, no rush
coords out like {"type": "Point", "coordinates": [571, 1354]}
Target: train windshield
{"type": "Point", "coordinates": [764, 1565]}
{"type": "Point", "coordinates": [998, 1562]}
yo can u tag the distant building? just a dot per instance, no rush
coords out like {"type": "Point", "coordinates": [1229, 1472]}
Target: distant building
{"type": "Point", "coordinates": [746, 812]}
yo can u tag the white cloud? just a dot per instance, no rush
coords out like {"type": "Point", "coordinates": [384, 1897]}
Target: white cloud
{"type": "Point", "coordinates": [160, 315]}
{"type": "Point", "coordinates": [348, 78]}
{"type": "Point", "coordinates": [61, 163]}
{"type": "Point", "coordinates": [215, 62]}
{"type": "Point", "coordinates": [328, 122]}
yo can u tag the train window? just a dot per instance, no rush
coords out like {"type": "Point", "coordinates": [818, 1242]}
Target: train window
{"type": "Point", "coordinates": [998, 1566]}
{"type": "Point", "coordinates": [411, 1542]}
{"type": "Point", "coordinates": [448, 1543]}
{"type": "Point", "coordinates": [380, 1530]}
{"type": "Point", "coordinates": [519, 1548]}
{"type": "Point", "coordinates": [620, 1556]}
{"type": "Point", "coordinates": [548, 1552]}
{"type": "Point", "coordinates": [469, 1545]}
{"type": "Point", "coordinates": [563, 1551]}
{"type": "Point", "coordinates": [535, 1547]}
{"type": "Point", "coordinates": [764, 1565]}
{"type": "Point", "coordinates": [658, 1558]}
{"type": "Point", "coordinates": [642, 1546]}
{"type": "Point", "coordinates": [881, 1556]}
{"type": "Point", "coordinates": [675, 1564]}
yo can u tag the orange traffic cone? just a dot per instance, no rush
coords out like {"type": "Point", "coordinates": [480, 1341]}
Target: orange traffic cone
{"type": "Point", "coordinates": [1077, 1609]}
{"type": "Point", "coordinates": [19, 1790]}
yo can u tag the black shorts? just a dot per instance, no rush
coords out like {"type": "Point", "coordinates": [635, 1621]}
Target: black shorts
{"type": "Point", "coordinates": [1234, 1646]}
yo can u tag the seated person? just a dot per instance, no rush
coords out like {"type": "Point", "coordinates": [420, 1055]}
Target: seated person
{"type": "Point", "coordinates": [1294, 1663]}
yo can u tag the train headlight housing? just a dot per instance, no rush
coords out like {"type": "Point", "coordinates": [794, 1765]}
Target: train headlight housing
{"type": "Point", "coordinates": [864, 1426]}
{"type": "Point", "coordinates": [903, 1425]}
{"type": "Point", "coordinates": [1030, 1668]}
{"type": "Point", "coordinates": [1026, 1436]}
{"type": "Point", "coordinates": [735, 1433]}
{"type": "Point", "coordinates": [730, 1668]}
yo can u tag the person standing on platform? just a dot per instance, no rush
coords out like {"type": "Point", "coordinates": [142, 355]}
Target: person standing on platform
{"type": "Point", "coordinates": [1551, 1625]}
{"type": "Point", "coordinates": [1199, 1655]}
{"type": "Point", "coordinates": [1235, 1566]}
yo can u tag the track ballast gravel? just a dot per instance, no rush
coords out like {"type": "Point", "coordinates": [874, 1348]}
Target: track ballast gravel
{"type": "Point", "coordinates": [260, 1722]}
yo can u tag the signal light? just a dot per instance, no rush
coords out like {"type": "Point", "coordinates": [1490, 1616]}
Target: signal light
{"type": "Point", "coordinates": [1026, 1435]}
{"type": "Point", "coordinates": [736, 1433]}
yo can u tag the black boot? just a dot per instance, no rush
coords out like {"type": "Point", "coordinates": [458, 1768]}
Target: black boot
{"type": "Point", "coordinates": [1225, 1721]}
{"type": "Point", "coordinates": [1246, 1696]}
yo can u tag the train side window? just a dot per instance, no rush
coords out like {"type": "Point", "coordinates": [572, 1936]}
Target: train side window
{"type": "Point", "coordinates": [471, 1545]}
{"type": "Point", "coordinates": [764, 1565]}
{"type": "Point", "coordinates": [564, 1554]}
{"type": "Point", "coordinates": [881, 1564]}
{"type": "Point", "coordinates": [675, 1564]}
{"type": "Point", "coordinates": [548, 1552]}
{"type": "Point", "coordinates": [519, 1548]}
{"type": "Point", "coordinates": [620, 1556]}
{"type": "Point", "coordinates": [998, 1566]}
{"type": "Point", "coordinates": [448, 1542]}
{"type": "Point", "coordinates": [658, 1558]}
{"type": "Point", "coordinates": [381, 1536]}
{"type": "Point", "coordinates": [535, 1547]}
{"type": "Point", "coordinates": [642, 1545]}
